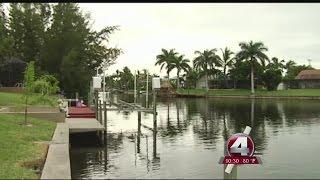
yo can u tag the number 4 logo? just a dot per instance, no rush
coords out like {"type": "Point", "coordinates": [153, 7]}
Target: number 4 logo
{"type": "Point", "coordinates": [240, 145]}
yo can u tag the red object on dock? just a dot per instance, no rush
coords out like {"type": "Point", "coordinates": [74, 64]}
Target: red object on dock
{"type": "Point", "coordinates": [80, 112]}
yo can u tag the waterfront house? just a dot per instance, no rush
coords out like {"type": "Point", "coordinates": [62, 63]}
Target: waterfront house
{"type": "Point", "coordinates": [309, 78]}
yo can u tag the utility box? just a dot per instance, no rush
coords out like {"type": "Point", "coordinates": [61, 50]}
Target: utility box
{"type": "Point", "coordinates": [156, 83]}
{"type": "Point", "coordinates": [96, 82]}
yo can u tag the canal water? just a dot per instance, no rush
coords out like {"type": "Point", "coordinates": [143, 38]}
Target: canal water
{"type": "Point", "coordinates": [191, 137]}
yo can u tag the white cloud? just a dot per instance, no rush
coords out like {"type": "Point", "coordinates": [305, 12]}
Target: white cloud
{"type": "Point", "coordinates": [289, 30]}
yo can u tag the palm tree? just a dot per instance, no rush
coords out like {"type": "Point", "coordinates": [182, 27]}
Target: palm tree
{"type": "Point", "coordinates": [165, 60]}
{"type": "Point", "coordinates": [277, 64]}
{"type": "Point", "coordinates": [227, 61]}
{"type": "Point", "coordinates": [290, 64]}
{"type": "Point", "coordinates": [205, 61]}
{"type": "Point", "coordinates": [180, 63]}
{"type": "Point", "coordinates": [252, 52]}
{"type": "Point", "coordinates": [191, 78]}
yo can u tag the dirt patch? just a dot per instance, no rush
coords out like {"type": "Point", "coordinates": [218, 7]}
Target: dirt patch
{"type": "Point", "coordinates": [37, 164]}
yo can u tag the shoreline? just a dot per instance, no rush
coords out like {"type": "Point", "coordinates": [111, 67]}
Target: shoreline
{"type": "Point", "coordinates": [247, 97]}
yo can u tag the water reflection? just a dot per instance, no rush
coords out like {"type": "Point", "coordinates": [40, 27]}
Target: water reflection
{"type": "Point", "coordinates": [191, 136]}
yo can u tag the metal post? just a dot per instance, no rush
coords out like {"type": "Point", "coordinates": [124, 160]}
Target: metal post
{"type": "Point", "coordinates": [147, 91]}
{"type": "Point", "coordinates": [96, 104]}
{"type": "Point", "coordinates": [139, 132]}
{"type": "Point", "coordinates": [154, 124]}
{"type": "Point", "coordinates": [105, 116]}
{"type": "Point", "coordinates": [100, 112]}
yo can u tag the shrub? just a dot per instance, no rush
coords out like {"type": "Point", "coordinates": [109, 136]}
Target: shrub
{"type": "Point", "coordinates": [272, 77]}
{"type": "Point", "coordinates": [46, 84]}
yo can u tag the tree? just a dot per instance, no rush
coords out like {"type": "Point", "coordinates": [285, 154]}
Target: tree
{"type": "Point", "coordinates": [46, 85]}
{"type": "Point", "coordinates": [73, 50]}
{"type": "Point", "coordinates": [293, 71]}
{"type": "Point", "coordinates": [181, 64]}
{"type": "Point", "coordinates": [240, 73]}
{"type": "Point", "coordinates": [6, 41]}
{"type": "Point", "coordinates": [191, 78]}
{"type": "Point", "coordinates": [272, 77]}
{"type": "Point", "coordinates": [252, 52]}
{"type": "Point", "coordinates": [29, 78]}
{"type": "Point", "coordinates": [276, 64]}
{"type": "Point", "coordinates": [126, 79]}
{"type": "Point", "coordinates": [290, 64]}
{"type": "Point", "coordinates": [205, 61]}
{"type": "Point", "coordinates": [27, 29]}
{"type": "Point", "coordinates": [227, 61]}
{"type": "Point", "coordinates": [165, 59]}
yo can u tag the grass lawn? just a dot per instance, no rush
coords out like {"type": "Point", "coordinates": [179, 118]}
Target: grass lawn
{"type": "Point", "coordinates": [247, 92]}
{"type": "Point", "coordinates": [18, 151]}
{"type": "Point", "coordinates": [17, 99]}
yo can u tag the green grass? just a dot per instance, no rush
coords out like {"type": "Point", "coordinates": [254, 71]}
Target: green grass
{"type": "Point", "coordinates": [247, 92]}
{"type": "Point", "coordinates": [17, 99]}
{"type": "Point", "coordinates": [17, 145]}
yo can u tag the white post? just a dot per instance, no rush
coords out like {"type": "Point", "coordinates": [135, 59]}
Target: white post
{"type": "Point", "coordinates": [147, 90]}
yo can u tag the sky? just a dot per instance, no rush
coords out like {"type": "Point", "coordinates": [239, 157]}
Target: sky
{"type": "Point", "coordinates": [291, 31]}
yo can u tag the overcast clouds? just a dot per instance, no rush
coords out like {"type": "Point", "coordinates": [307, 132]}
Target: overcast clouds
{"type": "Point", "coordinates": [290, 31]}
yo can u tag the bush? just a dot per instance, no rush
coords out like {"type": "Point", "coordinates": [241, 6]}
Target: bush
{"type": "Point", "coordinates": [46, 84]}
{"type": "Point", "coordinates": [271, 78]}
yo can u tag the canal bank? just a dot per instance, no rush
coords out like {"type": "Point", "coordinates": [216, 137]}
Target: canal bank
{"type": "Point", "coordinates": [23, 146]}
{"type": "Point", "coordinates": [247, 97]}
{"type": "Point", "coordinates": [244, 93]}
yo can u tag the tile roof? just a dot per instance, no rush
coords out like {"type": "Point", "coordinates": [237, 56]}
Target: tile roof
{"type": "Point", "coordinates": [309, 74]}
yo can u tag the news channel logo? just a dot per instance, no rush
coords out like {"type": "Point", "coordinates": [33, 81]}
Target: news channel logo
{"type": "Point", "coordinates": [240, 150]}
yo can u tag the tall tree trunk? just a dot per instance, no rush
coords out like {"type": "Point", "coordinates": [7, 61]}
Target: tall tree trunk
{"type": "Point", "coordinates": [225, 76]}
{"type": "Point", "coordinates": [207, 86]}
{"type": "Point", "coordinates": [178, 82]}
{"type": "Point", "coordinates": [252, 77]}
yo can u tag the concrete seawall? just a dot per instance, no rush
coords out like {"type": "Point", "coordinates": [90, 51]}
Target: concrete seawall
{"type": "Point", "coordinates": [57, 165]}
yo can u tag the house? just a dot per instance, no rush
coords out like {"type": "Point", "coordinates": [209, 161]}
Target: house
{"type": "Point", "coordinates": [166, 89]}
{"type": "Point", "coordinates": [201, 83]}
{"type": "Point", "coordinates": [309, 78]}
{"type": "Point", "coordinates": [11, 72]}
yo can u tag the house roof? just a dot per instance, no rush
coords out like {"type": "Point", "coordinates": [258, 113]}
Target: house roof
{"type": "Point", "coordinates": [309, 74]}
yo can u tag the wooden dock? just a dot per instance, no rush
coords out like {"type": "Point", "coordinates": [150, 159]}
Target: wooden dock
{"type": "Point", "coordinates": [78, 125]}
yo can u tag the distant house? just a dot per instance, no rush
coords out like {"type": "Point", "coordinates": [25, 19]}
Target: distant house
{"type": "Point", "coordinates": [309, 78]}
{"type": "Point", "coordinates": [213, 82]}
{"type": "Point", "coordinates": [201, 83]}
{"type": "Point", "coordinates": [166, 89]}
{"type": "Point", "coordinates": [11, 71]}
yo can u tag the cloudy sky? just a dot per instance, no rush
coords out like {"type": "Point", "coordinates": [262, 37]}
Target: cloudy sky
{"type": "Point", "coordinates": [290, 31]}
